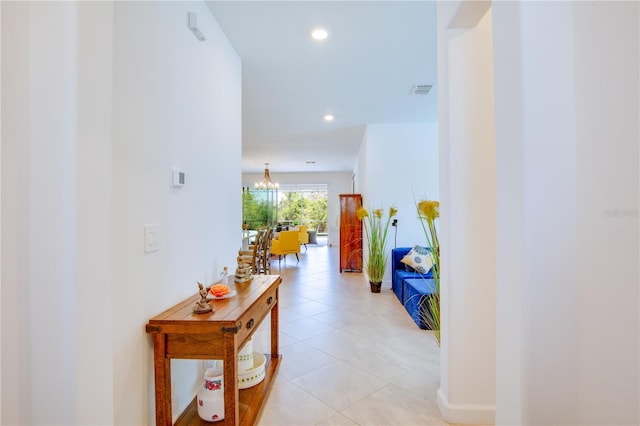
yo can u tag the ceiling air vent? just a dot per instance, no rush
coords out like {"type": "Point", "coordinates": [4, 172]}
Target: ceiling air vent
{"type": "Point", "coordinates": [420, 89]}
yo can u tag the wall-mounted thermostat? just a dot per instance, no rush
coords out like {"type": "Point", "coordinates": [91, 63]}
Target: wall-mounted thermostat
{"type": "Point", "coordinates": [177, 178]}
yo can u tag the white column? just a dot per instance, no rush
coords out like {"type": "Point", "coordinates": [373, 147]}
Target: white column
{"type": "Point", "coordinates": [52, 212]}
{"type": "Point", "coordinates": [56, 332]}
{"type": "Point", "coordinates": [549, 167]}
{"type": "Point", "coordinates": [15, 192]}
{"type": "Point", "coordinates": [510, 212]}
{"type": "Point", "coordinates": [94, 349]}
{"type": "Point", "coordinates": [468, 216]}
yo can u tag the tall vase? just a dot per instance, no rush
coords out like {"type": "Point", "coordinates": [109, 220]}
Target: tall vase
{"type": "Point", "coordinates": [211, 395]}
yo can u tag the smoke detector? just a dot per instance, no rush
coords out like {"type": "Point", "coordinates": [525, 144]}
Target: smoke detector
{"type": "Point", "coordinates": [420, 89]}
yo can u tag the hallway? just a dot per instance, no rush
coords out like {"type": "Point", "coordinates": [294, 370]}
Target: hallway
{"type": "Point", "coordinates": [350, 357]}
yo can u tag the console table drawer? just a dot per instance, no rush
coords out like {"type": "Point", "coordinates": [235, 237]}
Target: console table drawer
{"type": "Point", "coordinates": [194, 346]}
{"type": "Point", "coordinates": [252, 318]}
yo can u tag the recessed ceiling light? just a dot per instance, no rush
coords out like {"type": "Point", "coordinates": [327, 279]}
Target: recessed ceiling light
{"type": "Point", "coordinates": [328, 117]}
{"type": "Point", "coordinates": [319, 34]}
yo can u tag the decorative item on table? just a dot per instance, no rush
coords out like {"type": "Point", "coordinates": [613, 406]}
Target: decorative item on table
{"type": "Point", "coordinates": [224, 277]}
{"type": "Point", "coordinates": [251, 371]}
{"type": "Point", "coordinates": [210, 397]}
{"type": "Point", "coordinates": [428, 212]}
{"type": "Point", "coordinates": [245, 356]}
{"type": "Point", "coordinates": [255, 374]}
{"type": "Point", "coordinates": [243, 271]}
{"type": "Point", "coordinates": [376, 230]}
{"type": "Point", "coordinates": [202, 306]}
{"type": "Point", "coordinates": [251, 366]}
{"type": "Point", "coordinates": [221, 291]}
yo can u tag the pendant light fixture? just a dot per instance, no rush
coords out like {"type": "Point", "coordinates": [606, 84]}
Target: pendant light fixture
{"type": "Point", "coordinates": [266, 182]}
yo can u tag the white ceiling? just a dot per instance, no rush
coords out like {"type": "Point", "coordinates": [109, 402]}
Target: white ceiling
{"type": "Point", "coordinates": [362, 74]}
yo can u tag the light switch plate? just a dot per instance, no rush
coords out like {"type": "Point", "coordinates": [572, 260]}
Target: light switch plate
{"type": "Point", "coordinates": [150, 238]}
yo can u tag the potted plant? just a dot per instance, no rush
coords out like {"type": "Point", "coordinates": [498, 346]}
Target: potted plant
{"type": "Point", "coordinates": [376, 228]}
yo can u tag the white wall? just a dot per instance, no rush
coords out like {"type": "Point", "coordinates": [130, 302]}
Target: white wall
{"type": "Point", "coordinates": [0, 211]}
{"type": "Point", "coordinates": [588, 147]}
{"type": "Point", "coordinates": [176, 104]}
{"type": "Point", "coordinates": [468, 217]}
{"type": "Point", "coordinates": [549, 171]}
{"type": "Point", "coordinates": [398, 165]}
{"type": "Point", "coordinates": [104, 98]}
{"type": "Point", "coordinates": [360, 169]}
{"type": "Point", "coordinates": [337, 183]}
{"type": "Point", "coordinates": [608, 177]}
{"type": "Point", "coordinates": [579, 348]}
{"type": "Point", "coordinates": [566, 207]}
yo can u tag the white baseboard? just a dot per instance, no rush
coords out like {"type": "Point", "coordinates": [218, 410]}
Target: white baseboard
{"type": "Point", "coordinates": [470, 414]}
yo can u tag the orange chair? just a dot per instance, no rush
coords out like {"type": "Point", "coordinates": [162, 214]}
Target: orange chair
{"type": "Point", "coordinates": [287, 242]}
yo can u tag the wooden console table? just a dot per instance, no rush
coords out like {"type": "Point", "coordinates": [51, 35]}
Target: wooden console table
{"type": "Point", "coordinates": [179, 333]}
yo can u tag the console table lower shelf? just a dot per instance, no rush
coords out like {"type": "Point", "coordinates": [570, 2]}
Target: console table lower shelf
{"type": "Point", "coordinates": [251, 400]}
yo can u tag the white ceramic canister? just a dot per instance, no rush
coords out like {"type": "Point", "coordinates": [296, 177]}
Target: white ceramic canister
{"type": "Point", "coordinates": [210, 397]}
{"type": "Point", "coordinates": [245, 357]}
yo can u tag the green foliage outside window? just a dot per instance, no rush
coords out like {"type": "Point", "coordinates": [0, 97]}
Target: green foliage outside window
{"type": "Point", "coordinates": [316, 212]}
{"type": "Point", "coordinates": [304, 208]}
{"type": "Point", "coordinates": [257, 210]}
{"type": "Point", "coordinates": [294, 208]}
{"type": "Point", "coordinates": [291, 207]}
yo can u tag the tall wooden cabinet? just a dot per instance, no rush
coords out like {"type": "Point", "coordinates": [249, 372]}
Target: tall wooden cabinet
{"type": "Point", "coordinates": [350, 233]}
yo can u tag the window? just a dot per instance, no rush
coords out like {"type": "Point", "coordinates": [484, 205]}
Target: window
{"type": "Point", "coordinates": [303, 205]}
{"type": "Point", "coordinates": [259, 207]}
{"type": "Point", "coordinates": [290, 205]}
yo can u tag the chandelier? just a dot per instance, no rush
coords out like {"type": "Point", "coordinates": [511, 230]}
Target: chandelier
{"type": "Point", "coordinates": [266, 182]}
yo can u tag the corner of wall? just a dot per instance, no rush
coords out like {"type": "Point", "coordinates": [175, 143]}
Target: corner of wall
{"type": "Point", "coordinates": [465, 413]}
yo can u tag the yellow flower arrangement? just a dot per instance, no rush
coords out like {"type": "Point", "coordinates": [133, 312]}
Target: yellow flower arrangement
{"type": "Point", "coordinates": [376, 230]}
{"type": "Point", "coordinates": [428, 212]}
{"type": "Point", "coordinates": [429, 209]}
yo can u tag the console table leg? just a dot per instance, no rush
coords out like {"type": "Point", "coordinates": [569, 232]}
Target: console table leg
{"type": "Point", "coordinates": [274, 329]}
{"type": "Point", "coordinates": [162, 377]}
{"type": "Point", "coordinates": [231, 392]}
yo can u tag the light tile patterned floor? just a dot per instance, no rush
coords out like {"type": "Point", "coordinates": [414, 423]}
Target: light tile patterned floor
{"type": "Point", "coordinates": [350, 357]}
